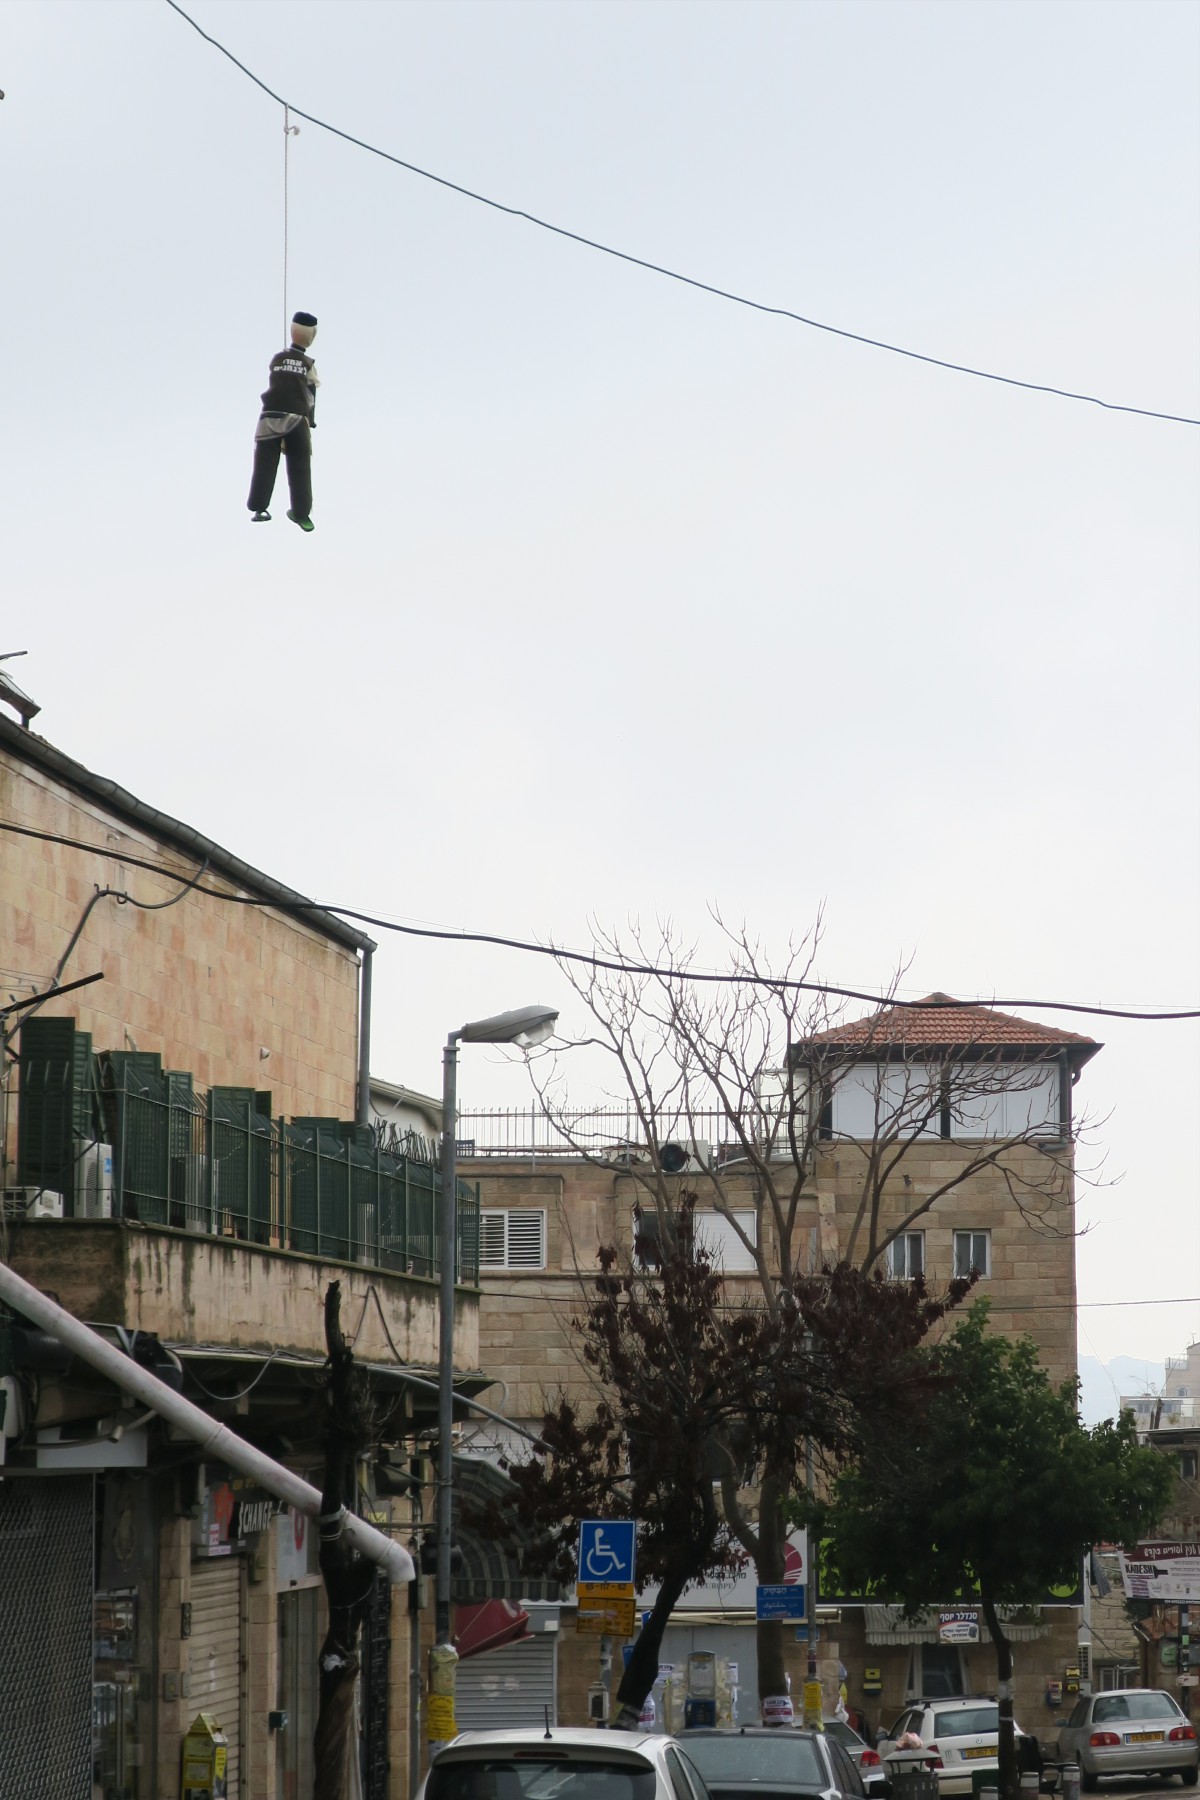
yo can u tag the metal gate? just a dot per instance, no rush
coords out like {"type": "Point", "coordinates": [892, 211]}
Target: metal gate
{"type": "Point", "coordinates": [215, 1652]}
{"type": "Point", "coordinates": [513, 1685]}
{"type": "Point", "coordinates": [46, 1537]}
{"type": "Point", "coordinates": [376, 1662]}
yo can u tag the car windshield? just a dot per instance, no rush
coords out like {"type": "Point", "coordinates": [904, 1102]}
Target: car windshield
{"type": "Point", "coordinates": [778, 1757]}
{"type": "Point", "coordinates": [966, 1721]}
{"type": "Point", "coordinates": [841, 1733]}
{"type": "Point", "coordinates": [1111, 1707]}
{"type": "Point", "coordinates": [529, 1776]}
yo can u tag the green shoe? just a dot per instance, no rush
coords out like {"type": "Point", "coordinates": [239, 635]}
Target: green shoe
{"type": "Point", "coordinates": [304, 524]}
{"type": "Point", "coordinates": [259, 518]}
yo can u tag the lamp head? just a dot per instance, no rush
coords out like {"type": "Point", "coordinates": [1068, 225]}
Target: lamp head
{"type": "Point", "coordinates": [527, 1026]}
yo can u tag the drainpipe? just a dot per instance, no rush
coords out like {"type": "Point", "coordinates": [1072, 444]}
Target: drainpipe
{"type": "Point", "coordinates": [363, 1112]}
{"type": "Point", "coordinates": [217, 1441]}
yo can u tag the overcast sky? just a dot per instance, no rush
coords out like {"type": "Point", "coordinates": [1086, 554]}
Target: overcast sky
{"type": "Point", "coordinates": [623, 599]}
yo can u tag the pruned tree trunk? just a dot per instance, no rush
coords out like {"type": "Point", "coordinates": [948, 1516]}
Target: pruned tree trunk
{"type": "Point", "coordinates": [641, 1672]}
{"type": "Point", "coordinates": [349, 1577]}
{"type": "Point", "coordinates": [772, 1538]}
{"type": "Point", "coordinates": [1009, 1777]}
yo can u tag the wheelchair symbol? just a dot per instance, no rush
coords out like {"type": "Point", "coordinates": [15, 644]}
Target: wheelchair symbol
{"type": "Point", "coordinates": [602, 1560]}
{"type": "Point", "coordinates": [606, 1550]}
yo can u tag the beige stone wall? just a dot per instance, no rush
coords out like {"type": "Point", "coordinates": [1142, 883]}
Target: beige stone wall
{"type": "Point", "coordinates": [525, 1318]}
{"type": "Point", "coordinates": [219, 1290]}
{"type": "Point", "coordinates": [205, 984]}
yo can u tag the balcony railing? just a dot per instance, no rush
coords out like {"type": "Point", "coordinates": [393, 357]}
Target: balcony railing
{"type": "Point", "coordinates": [118, 1136]}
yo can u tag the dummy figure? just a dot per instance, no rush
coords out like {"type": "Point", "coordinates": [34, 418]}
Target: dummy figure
{"type": "Point", "coordinates": [288, 409]}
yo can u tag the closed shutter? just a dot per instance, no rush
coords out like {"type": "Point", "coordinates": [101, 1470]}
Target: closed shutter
{"type": "Point", "coordinates": [491, 1240]}
{"type": "Point", "coordinates": [215, 1652]}
{"type": "Point", "coordinates": [513, 1685]}
{"type": "Point", "coordinates": [46, 1537]}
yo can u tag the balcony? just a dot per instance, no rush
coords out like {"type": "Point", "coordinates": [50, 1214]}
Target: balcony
{"type": "Point", "coordinates": [142, 1201]}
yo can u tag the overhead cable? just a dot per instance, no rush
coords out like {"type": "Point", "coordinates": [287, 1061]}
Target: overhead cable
{"type": "Point", "coordinates": [641, 262]}
{"type": "Point", "coordinates": [591, 958]}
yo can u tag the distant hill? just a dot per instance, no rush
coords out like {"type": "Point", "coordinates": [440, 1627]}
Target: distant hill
{"type": "Point", "coordinates": [1100, 1384]}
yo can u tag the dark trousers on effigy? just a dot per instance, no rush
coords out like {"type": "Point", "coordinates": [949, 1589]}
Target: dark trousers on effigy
{"type": "Point", "coordinates": [297, 448]}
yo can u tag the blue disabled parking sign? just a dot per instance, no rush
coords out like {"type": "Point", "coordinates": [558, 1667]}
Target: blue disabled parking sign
{"type": "Point", "coordinates": [606, 1549]}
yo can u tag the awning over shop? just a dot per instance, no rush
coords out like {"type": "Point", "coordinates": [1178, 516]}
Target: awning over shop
{"type": "Point", "coordinates": [486, 1624]}
{"type": "Point", "coordinates": [887, 1625]}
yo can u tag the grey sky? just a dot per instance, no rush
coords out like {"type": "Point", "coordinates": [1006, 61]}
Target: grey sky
{"type": "Point", "coordinates": [623, 599]}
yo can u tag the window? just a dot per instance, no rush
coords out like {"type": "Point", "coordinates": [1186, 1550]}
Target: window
{"type": "Point", "coordinates": [719, 1240]}
{"type": "Point", "coordinates": [906, 1255]}
{"type": "Point", "coordinates": [1187, 1465]}
{"type": "Point", "coordinates": [513, 1239]}
{"type": "Point", "coordinates": [972, 1250]}
{"type": "Point", "coordinates": [936, 1670]}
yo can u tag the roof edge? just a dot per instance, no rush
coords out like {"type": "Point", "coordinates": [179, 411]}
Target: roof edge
{"type": "Point", "coordinates": [174, 834]}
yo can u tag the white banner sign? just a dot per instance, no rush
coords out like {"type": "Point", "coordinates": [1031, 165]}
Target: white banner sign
{"type": "Point", "coordinates": [1161, 1572]}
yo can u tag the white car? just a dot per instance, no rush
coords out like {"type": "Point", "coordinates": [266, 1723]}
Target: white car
{"type": "Point", "coordinates": [562, 1763]}
{"type": "Point", "coordinates": [958, 1737]}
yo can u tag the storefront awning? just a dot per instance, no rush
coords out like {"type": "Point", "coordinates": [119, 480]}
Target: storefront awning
{"type": "Point", "coordinates": [486, 1624]}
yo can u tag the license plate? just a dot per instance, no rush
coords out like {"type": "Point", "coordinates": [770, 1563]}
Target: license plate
{"type": "Point", "coordinates": [1143, 1737]}
{"type": "Point", "coordinates": [984, 1750]}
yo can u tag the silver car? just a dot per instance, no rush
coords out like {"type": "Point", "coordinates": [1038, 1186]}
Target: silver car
{"type": "Point", "coordinates": [1129, 1731]}
{"type": "Point", "coordinates": [561, 1763]}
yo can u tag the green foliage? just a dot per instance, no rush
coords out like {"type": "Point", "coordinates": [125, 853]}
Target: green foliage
{"type": "Point", "coordinates": [993, 1483]}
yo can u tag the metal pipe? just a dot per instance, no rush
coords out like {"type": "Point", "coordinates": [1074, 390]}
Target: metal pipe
{"type": "Point", "coordinates": [215, 1440]}
{"type": "Point", "coordinates": [363, 1114]}
{"type": "Point", "coordinates": [447, 1248]}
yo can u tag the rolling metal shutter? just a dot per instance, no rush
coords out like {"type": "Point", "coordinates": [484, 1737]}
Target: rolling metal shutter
{"type": "Point", "coordinates": [215, 1652]}
{"type": "Point", "coordinates": [46, 1530]}
{"type": "Point", "coordinates": [510, 1686]}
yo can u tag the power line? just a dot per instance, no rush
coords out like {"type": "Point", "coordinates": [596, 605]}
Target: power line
{"type": "Point", "coordinates": [641, 262]}
{"type": "Point", "coordinates": [589, 958]}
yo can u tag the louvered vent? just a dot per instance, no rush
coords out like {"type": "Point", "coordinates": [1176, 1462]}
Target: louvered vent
{"type": "Point", "coordinates": [514, 1239]}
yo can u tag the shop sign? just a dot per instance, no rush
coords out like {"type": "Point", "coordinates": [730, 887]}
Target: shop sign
{"type": "Point", "coordinates": [1161, 1572]}
{"type": "Point", "coordinates": [958, 1626]}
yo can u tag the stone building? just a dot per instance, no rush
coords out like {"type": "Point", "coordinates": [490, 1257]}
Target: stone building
{"type": "Point", "coordinates": [979, 1106]}
{"type": "Point", "coordinates": [187, 1164]}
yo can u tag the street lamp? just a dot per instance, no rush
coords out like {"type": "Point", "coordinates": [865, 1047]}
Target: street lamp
{"type": "Point", "coordinates": [527, 1026]}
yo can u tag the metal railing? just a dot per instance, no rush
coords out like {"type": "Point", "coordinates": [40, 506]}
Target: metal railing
{"type": "Point", "coordinates": [611, 1133]}
{"type": "Point", "coordinates": [154, 1148]}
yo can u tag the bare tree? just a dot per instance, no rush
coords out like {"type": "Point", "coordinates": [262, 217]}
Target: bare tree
{"type": "Point", "coordinates": [785, 1099]}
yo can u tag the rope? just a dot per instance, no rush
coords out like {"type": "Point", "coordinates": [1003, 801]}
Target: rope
{"type": "Point", "coordinates": [287, 132]}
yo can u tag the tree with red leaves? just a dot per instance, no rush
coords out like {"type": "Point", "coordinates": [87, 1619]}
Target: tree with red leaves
{"type": "Point", "coordinates": [692, 1391]}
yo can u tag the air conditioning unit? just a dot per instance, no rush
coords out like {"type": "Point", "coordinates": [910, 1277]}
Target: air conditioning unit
{"type": "Point", "coordinates": [685, 1156]}
{"type": "Point", "coordinates": [625, 1156]}
{"type": "Point", "coordinates": [193, 1205]}
{"type": "Point", "coordinates": [366, 1249]}
{"type": "Point", "coordinates": [95, 1190]}
{"type": "Point", "coordinates": [32, 1203]}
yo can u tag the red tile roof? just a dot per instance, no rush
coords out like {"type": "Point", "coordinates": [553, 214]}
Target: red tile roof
{"type": "Point", "coordinates": [938, 1022]}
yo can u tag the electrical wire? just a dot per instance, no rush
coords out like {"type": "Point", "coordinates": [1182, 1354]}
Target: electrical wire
{"type": "Point", "coordinates": [641, 262]}
{"type": "Point", "coordinates": [590, 958]}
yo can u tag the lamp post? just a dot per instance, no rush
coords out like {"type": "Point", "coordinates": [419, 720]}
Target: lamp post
{"type": "Point", "coordinates": [527, 1026]}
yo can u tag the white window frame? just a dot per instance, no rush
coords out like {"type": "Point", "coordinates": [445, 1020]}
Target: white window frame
{"type": "Point", "coordinates": [984, 1267]}
{"type": "Point", "coordinates": [900, 1257]}
{"type": "Point", "coordinates": [513, 1220]}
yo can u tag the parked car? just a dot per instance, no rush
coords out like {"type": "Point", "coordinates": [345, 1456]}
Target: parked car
{"type": "Point", "coordinates": [561, 1764]}
{"type": "Point", "coordinates": [958, 1737]}
{"type": "Point", "coordinates": [867, 1761]}
{"type": "Point", "coordinates": [1129, 1731]}
{"type": "Point", "coordinates": [765, 1762]}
